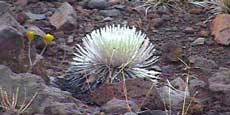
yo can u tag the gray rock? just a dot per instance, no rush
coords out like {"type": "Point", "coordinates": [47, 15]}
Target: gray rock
{"type": "Point", "coordinates": [227, 99]}
{"type": "Point", "coordinates": [97, 4]}
{"type": "Point", "coordinates": [70, 39]}
{"type": "Point", "coordinates": [36, 29]}
{"type": "Point", "coordinates": [157, 22]}
{"type": "Point", "coordinates": [11, 40]}
{"type": "Point", "coordinates": [110, 13]}
{"type": "Point", "coordinates": [7, 18]}
{"type": "Point", "coordinates": [202, 63]}
{"type": "Point", "coordinates": [57, 108]}
{"type": "Point", "coordinates": [220, 81]}
{"type": "Point", "coordinates": [33, 16]}
{"type": "Point", "coordinates": [117, 106]}
{"type": "Point", "coordinates": [47, 98]}
{"type": "Point", "coordinates": [130, 113]}
{"type": "Point", "coordinates": [189, 30]}
{"type": "Point", "coordinates": [179, 83]}
{"type": "Point", "coordinates": [11, 43]}
{"type": "Point", "coordinates": [4, 7]}
{"type": "Point", "coordinates": [176, 96]}
{"type": "Point", "coordinates": [196, 83]}
{"type": "Point", "coordinates": [198, 41]}
{"type": "Point", "coordinates": [64, 18]}
{"type": "Point", "coordinates": [153, 112]}
{"type": "Point", "coordinates": [107, 19]}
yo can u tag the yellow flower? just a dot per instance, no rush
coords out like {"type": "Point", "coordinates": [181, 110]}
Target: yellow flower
{"type": "Point", "coordinates": [30, 35]}
{"type": "Point", "coordinates": [48, 38]}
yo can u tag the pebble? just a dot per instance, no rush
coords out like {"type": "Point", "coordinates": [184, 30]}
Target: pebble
{"type": "Point", "coordinates": [97, 4]}
{"type": "Point", "coordinates": [196, 83]}
{"type": "Point", "coordinates": [33, 16]}
{"type": "Point", "coordinates": [198, 41]}
{"type": "Point", "coordinates": [110, 13]}
{"type": "Point", "coordinates": [70, 39]}
{"type": "Point", "coordinates": [189, 30]}
{"type": "Point", "coordinates": [204, 33]}
{"type": "Point", "coordinates": [156, 22]}
{"type": "Point", "coordinates": [108, 19]}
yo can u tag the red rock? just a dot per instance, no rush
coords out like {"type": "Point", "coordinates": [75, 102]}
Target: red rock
{"type": "Point", "coordinates": [114, 2]}
{"type": "Point", "coordinates": [172, 52]}
{"type": "Point", "coordinates": [64, 18]}
{"type": "Point", "coordinates": [196, 11]}
{"type": "Point", "coordinates": [221, 29]}
{"type": "Point", "coordinates": [136, 91]}
{"type": "Point", "coordinates": [21, 18]}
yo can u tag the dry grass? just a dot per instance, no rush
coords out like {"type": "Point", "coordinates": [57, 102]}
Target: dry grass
{"type": "Point", "coordinates": [10, 103]}
{"type": "Point", "coordinates": [159, 5]}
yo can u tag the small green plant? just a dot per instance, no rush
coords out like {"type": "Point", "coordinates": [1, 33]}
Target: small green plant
{"type": "Point", "coordinates": [48, 38]}
{"type": "Point", "coordinates": [10, 103]}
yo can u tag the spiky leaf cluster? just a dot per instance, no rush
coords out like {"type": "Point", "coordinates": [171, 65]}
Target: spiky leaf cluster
{"type": "Point", "coordinates": [114, 53]}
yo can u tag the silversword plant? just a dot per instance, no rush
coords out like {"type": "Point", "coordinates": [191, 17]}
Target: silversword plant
{"type": "Point", "coordinates": [111, 54]}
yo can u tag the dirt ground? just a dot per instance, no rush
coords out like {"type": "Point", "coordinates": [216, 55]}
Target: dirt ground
{"type": "Point", "coordinates": [171, 31]}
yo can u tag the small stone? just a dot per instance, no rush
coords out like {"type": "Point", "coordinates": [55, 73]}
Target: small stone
{"type": "Point", "coordinates": [113, 2]}
{"type": "Point", "coordinates": [156, 22]}
{"type": "Point", "coordinates": [21, 18]}
{"type": "Point", "coordinates": [172, 52]}
{"type": "Point", "coordinates": [198, 41]}
{"type": "Point", "coordinates": [221, 29]}
{"type": "Point", "coordinates": [120, 7]}
{"type": "Point", "coordinates": [227, 100]}
{"type": "Point", "coordinates": [130, 113]}
{"type": "Point", "coordinates": [176, 96]}
{"type": "Point", "coordinates": [33, 16]}
{"type": "Point", "coordinates": [57, 108]}
{"type": "Point", "coordinates": [196, 11]}
{"type": "Point", "coordinates": [166, 17]}
{"type": "Point", "coordinates": [22, 2]}
{"type": "Point", "coordinates": [191, 38]}
{"type": "Point", "coordinates": [97, 4]}
{"type": "Point", "coordinates": [64, 18]}
{"type": "Point", "coordinates": [179, 83]}
{"type": "Point", "coordinates": [119, 106]}
{"type": "Point", "coordinates": [189, 30]}
{"type": "Point", "coordinates": [202, 63]}
{"type": "Point", "coordinates": [194, 83]}
{"type": "Point", "coordinates": [110, 13]}
{"type": "Point", "coordinates": [153, 112]}
{"type": "Point", "coordinates": [220, 81]}
{"type": "Point", "coordinates": [70, 39]}
{"type": "Point", "coordinates": [108, 19]}
{"type": "Point", "coordinates": [204, 33]}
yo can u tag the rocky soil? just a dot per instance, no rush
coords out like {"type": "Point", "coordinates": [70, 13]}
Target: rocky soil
{"type": "Point", "coordinates": [188, 45]}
